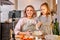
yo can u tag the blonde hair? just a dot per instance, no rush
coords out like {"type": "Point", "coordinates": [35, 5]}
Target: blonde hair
{"type": "Point", "coordinates": [48, 9]}
{"type": "Point", "coordinates": [34, 12]}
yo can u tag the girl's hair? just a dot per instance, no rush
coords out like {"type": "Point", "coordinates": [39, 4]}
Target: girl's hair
{"type": "Point", "coordinates": [48, 9]}
{"type": "Point", "coordinates": [34, 12]}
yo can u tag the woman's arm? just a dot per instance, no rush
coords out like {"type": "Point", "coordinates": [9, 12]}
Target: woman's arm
{"type": "Point", "coordinates": [25, 33]}
{"type": "Point", "coordinates": [18, 26]}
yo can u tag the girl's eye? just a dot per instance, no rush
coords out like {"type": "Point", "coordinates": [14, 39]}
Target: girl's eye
{"type": "Point", "coordinates": [42, 9]}
{"type": "Point", "coordinates": [31, 10]}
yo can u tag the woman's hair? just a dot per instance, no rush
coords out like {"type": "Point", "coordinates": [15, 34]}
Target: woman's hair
{"type": "Point", "coordinates": [48, 9]}
{"type": "Point", "coordinates": [34, 12]}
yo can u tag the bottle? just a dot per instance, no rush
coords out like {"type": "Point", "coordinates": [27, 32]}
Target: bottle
{"type": "Point", "coordinates": [56, 27]}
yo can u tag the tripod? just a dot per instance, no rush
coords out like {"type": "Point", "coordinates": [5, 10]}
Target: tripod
{"type": "Point", "coordinates": [13, 21]}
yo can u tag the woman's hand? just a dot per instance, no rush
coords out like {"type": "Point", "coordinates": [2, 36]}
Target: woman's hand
{"type": "Point", "coordinates": [25, 33]}
{"type": "Point", "coordinates": [28, 33]}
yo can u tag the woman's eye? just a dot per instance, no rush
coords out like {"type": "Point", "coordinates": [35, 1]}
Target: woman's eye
{"type": "Point", "coordinates": [31, 10]}
{"type": "Point", "coordinates": [27, 10]}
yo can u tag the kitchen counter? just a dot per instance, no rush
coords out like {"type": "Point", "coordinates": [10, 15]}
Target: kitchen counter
{"type": "Point", "coordinates": [48, 37]}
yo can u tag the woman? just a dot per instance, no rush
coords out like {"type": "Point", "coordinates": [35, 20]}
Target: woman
{"type": "Point", "coordinates": [27, 23]}
{"type": "Point", "coordinates": [45, 19]}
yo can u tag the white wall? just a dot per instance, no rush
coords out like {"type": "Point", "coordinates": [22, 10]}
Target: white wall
{"type": "Point", "coordinates": [23, 3]}
{"type": "Point", "coordinates": [36, 3]}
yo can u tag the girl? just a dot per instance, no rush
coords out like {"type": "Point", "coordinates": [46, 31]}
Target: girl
{"type": "Point", "coordinates": [45, 19]}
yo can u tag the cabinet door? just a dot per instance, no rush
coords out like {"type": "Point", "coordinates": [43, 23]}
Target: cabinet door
{"type": "Point", "coordinates": [5, 31]}
{"type": "Point", "coordinates": [0, 31]}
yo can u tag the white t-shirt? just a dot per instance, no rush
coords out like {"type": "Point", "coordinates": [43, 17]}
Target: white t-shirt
{"type": "Point", "coordinates": [24, 21]}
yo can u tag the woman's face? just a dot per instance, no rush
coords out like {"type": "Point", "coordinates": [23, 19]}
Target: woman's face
{"type": "Point", "coordinates": [29, 12]}
{"type": "Point", "coordinates": [43, 10]}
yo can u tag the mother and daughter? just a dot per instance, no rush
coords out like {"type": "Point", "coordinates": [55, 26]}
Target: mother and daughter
{"type": "Point", "coordinates": [30, 22]}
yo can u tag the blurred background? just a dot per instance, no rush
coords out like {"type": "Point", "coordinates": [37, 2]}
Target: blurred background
{"type": "Point", "coordinates": [8, 7]}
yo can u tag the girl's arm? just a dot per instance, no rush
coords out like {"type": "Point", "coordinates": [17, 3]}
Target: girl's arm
{"type": "Point", "coordinates": [38, 25]}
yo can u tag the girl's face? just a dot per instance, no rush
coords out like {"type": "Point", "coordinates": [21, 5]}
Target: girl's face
{"type": "Point", "coordinates": [44, 9]}
{"type": "Point", "coordinates": [29, 12]}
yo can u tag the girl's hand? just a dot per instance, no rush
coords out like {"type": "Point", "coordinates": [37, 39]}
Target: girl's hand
{"type": "Point", "coordinates": [27, 33]}
{"type": "Point", "coordinates": [38, 25]}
